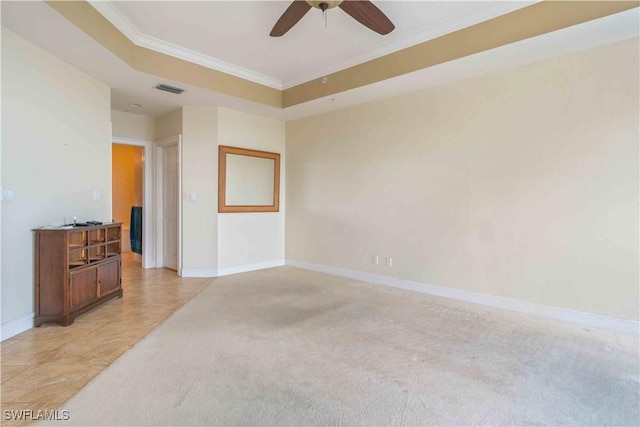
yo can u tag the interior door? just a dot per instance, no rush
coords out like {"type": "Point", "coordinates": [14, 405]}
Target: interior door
{"type": "Point", "coordinates": [170, 207]}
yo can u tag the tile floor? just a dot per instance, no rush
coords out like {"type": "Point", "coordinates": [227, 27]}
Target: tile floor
{"type": "Point", "coordinates": [43, 367]}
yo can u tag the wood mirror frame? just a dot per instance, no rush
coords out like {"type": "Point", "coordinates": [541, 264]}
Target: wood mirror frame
{"type": "Point", "coordinates": [223, 207]}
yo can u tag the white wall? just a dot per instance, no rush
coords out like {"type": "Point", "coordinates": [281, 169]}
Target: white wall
{"type": "Point", "coordinates": [169, 124]}
{"type": "Point", "coordinates": [200, 176]}
{"type": "Point", "coordinates": [252, 238]}
{"type": "Point", "coordinates": [520, 184]}
{"type": "Point", "coordinates": [17, 327]}
{"type": "Point", "coordinates": [56, 150]}
{"type": "Point", "coordinates": [212, 241]}
{"type": "Point", "coordinates": [133, 126]}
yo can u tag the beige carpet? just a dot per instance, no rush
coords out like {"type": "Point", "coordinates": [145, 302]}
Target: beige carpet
{"type": "Point", "coordinates": [291, 347]}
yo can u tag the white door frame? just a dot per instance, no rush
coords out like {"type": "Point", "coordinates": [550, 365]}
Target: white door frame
{"type": "Point", "coordinates": [148, 255]}
{"type": "Point", "coordinates": [160, 145]}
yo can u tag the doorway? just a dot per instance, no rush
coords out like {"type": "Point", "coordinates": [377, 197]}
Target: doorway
{"type": "Point", "coordinates": [137, 172]}
{"type": "Point", "coordinates": [127, 182]}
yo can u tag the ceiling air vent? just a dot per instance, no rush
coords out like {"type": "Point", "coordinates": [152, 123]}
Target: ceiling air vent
{"type": "Point", "coordinates": [168, 88]}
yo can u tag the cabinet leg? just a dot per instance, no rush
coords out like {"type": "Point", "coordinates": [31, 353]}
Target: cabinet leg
{"type": "Point", "coordinates": [66, 321]}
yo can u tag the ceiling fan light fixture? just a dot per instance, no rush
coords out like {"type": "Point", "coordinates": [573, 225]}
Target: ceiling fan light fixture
{"type": "Point", "coordinates": [363, 11]}
{"type": "Point", "coordinates": [324, 4]}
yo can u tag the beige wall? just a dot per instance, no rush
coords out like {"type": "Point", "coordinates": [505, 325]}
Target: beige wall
{"type": "Point", "coordinates": [56, 151]}
{"type": "Point", "coordinates": [169, 124]}
{"type": "Point", "coordinates": [200, 176]}
{"type": "Point", "coordinates": [521, 184]}
{"type": "Point", "coordinates": [134, 126]}
{"type": "Point", "coordinates": [211, 240]}
{"type": "Point", "coordinates": [126, 180]}
{"type": "Point", "coordinates": [251, 238]}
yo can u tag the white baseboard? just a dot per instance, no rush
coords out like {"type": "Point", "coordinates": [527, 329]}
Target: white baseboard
{"type": "Point", "coordinates": [225, 271]}
{"type": "Point", "coordinates": [199, 272]}
{"type": "Point", "coordinates": [14, 327]}
{"type": "Point", "coordinates": [582, 318]}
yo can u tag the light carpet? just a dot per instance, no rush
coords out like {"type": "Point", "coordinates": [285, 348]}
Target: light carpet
{"type": "Point", "coordinates": [286, 346]}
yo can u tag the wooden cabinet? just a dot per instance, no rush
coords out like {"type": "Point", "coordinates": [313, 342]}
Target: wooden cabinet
{"type": "Point", "coordinates": [75, 270]}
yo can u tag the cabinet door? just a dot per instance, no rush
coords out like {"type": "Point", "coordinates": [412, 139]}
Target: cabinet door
{"type": "Point", "coordinates": [83, 287]}
{"type": "Point", "coordinates": [109, 277]}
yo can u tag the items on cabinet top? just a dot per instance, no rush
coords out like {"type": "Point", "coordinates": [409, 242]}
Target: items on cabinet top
{"type": "Point", "coordinates": [75, 225]}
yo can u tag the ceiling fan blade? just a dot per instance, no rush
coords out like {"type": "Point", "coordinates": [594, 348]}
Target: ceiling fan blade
{"type": "Point", "coordinates": [368, 15]}
{"type": "Point", "coordinates": [290, 17]}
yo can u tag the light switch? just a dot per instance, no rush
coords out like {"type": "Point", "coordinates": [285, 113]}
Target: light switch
{"type": "Point", "coordinates": [7, 193]}
{"type": "Point", "coordinates": [193, 197]}
{"type": "Point", "coordinates": [97, 195]}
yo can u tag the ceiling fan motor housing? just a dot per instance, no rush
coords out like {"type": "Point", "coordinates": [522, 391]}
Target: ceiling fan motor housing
{"type": "Point", "coordinates": [324, 4]}
{"type": "Point", "coordinates": [363, 11]}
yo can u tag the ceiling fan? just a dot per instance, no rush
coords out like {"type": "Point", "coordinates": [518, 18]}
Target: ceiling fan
{"type": "Point", "coordinates": [364, 12]}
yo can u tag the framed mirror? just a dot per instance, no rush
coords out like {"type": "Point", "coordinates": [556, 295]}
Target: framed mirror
{"type": "Point", "coordinates": [248, 180]}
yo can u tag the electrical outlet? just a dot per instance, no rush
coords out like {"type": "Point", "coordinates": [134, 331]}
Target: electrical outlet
{"type": "Point", "coordinates": [376, 259]}
{"type": "Point", "coordinates": [388, 261]}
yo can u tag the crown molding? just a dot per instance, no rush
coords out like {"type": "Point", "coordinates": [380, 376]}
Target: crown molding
{"type": "Point", "coordinates": [567, 41]}
{"type": "Point", "coordinates": [113, 15]}
{"type": "Point", "coordinates": [206, 61]}
{"type": "Point", "coordinates": [440, 28]}
{"type": "Point", "coordinates": [122, 23]}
